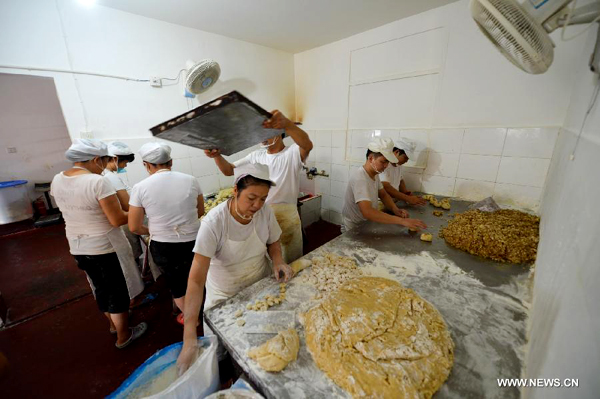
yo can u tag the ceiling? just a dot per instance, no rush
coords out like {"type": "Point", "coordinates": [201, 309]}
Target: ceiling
{"type": "Point", "coordinates": [289, 25]}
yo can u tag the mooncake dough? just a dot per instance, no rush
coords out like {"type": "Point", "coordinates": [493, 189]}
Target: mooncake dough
{"type": "Point", "coordinates": [278, 352]}
{"type": "Point", "coordinates": [377, 339]}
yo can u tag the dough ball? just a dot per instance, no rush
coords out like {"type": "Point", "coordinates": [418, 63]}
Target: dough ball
{"type": "Point", "coordinates": [438, 213]}
{"type": "Point", "coordinates": [426, 237]}
{"type": "Point", "coordinates": [240, 322]}
{"type": "Point", "coordinates": [239, 313]}
{"type": "Point", "coordinates": [275, 354]}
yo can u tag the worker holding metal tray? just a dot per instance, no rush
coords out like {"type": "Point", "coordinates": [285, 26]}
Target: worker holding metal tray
{"type": "Point", "coordinates": [285, 165]}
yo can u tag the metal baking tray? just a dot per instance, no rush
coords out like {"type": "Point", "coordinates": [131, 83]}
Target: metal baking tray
{"type": "Point", "coordinates": [230, 123]}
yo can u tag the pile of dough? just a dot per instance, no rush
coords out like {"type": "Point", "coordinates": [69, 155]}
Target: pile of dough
{"type": "Point", "coordinates": [426, 237]}
{"type": "Point", "coordinates": [330, 271]}
{"type": "Point", "coordinates": [278, 352]}
{"type": "Point", "coordinates": [505, 235]}
{"type": "Point", "coordinates": [269, 300]}
{"type": "Point", "coordinates": [444, 204]}
{"type": "Point", "coordinates": [222, 196]}
{"type": "Point", "coordinates": [377, 339]}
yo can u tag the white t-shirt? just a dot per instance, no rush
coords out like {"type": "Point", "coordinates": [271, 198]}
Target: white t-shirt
{"type": "Point", "coordinates": [284, 171]}
{"type": "Point", "coordinates": [116, 181]}
{"type": "Point", "coordinates": [86, 224]}
{"type": "Point", "coordinates": [170, 200]}
{"type": "Point", "coordinates": [392, 175]}
{"type": "Point", "coordinates": [218, 225]}
{"type": "Point", "coordinates": [360, 188]}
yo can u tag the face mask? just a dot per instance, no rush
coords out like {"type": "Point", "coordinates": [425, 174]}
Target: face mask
{"type": "Point", "coordinates": [375, 168]}
{"type": "Point", "coordinates": [269, 145]}
{"type": "Point", "coordinates": [238, 212]}
{"type": "Point", "coordinates": [120, 170]}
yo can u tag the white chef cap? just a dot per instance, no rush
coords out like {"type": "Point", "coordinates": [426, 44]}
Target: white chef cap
{"type": "Point", "coordinates": [116, 148]}
{"type": "Point", "coordinates": [258, 171]}
{"type": "Point", "coordinates": [406, 145]}
{"type": "Point", "coordinates": [384, 146]}
{"type": "Point", "coordinates": [156, 153]}
{"type": "Point", "coordinates": [85, 149]}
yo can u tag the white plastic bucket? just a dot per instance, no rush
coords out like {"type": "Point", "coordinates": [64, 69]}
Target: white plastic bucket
{"type": "Point", "coordinates": [14, 202]}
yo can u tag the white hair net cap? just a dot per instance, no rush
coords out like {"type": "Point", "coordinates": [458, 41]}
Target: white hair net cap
{"type": "Point", "coordinates": [385, 146]}
{"type": "Point", "coordinates": [258, 171]}
{"type": "Point", "coordinates": [116, 148]}
{"type": "Point", "coordinates": [85, 149]}
{"type": "Point", "coordinates": [156, 153]}
{"type": "Point", "coordinates": [406, 145]}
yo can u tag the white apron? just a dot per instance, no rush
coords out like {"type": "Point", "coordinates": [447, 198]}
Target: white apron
{"type": "Point", "coordinates": [291, 231]}
{"type": "Point", "coordinates": [239, 265]}
{"type": "Point", "coordinates": [135, 284]}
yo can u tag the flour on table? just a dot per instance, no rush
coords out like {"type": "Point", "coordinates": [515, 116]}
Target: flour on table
{"type": "Point", "coordinates": [375, 338]}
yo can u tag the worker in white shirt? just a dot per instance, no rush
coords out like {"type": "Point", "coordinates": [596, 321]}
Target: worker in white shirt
{"type": "Point", "coordinates": [122, 155]}
{"type": "Point", "coordinates": [392, 179]}
{"type": "Point", "coordinates": [285, 165]}
{"type": "Point", "coordinates": [231, 250]}
{"type": "Point", "coordinates": [173, 203]}
{"type": "Point", "coordinates": [364, 189]}
{"type": "Point", "coordinates": [93, 215]}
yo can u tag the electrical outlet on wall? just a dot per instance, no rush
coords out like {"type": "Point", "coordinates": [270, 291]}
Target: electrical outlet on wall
{"type": "Point", "coordinates": [86, 134]}
{"type": "Point", "coordinates": [155, 81]}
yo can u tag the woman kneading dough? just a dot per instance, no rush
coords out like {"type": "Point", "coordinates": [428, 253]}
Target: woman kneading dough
{"type": "Point", "coordinates": [231, 250]}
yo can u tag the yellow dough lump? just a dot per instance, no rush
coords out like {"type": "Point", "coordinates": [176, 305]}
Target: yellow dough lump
{"type": "Point", "coordinates": [278, 352]}
{"type": "Point", "coordinates": [377, 339]}
{"type": "Point", "coordinates": [426, 237]}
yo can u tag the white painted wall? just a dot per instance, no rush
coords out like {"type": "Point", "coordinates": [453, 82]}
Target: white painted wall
{"type": "Point", "coordinates": [483, 127]}
{"type": "Point", "coordinates": [31, 123]}
{"type": "Point", "coordinates": [65, 34]}
{"type": "Point", "coordinates": [565, 318]}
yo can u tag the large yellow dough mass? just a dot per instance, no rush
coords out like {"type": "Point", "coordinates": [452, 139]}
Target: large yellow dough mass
{"type": "Point", "coordinates": [377, 339]}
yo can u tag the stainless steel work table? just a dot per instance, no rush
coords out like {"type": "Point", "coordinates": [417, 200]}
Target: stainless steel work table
{"type": "Point", "coordinates": [484, 303]}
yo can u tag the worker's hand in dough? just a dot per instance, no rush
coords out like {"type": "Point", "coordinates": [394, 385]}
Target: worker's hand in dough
{"type": "Point", "coordinates": [283, 272]}
{"type": "Point", "coordinates": [212, 153]}
{"type": "Point", "coordinates": [188, 355]}
{"type": "Point", "coordinates": [416, 200]}
{"type": "Point", "coordinates": [413, 224]}
{"type": "Point", "coordinates": [401, 213]}
{"type": "Point", "coordinates": [277, 121]}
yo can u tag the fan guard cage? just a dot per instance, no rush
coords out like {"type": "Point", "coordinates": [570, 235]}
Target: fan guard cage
{"type": "Point", "coordinates": [515, 33]}
{"type": "Point", "coordinates": [202, 76]}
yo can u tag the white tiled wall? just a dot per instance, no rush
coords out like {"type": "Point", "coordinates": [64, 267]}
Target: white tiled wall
{"type": "Point", "coordinates": [509, 164]}
{"type": "Point", "coordinates": [473, 163]}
